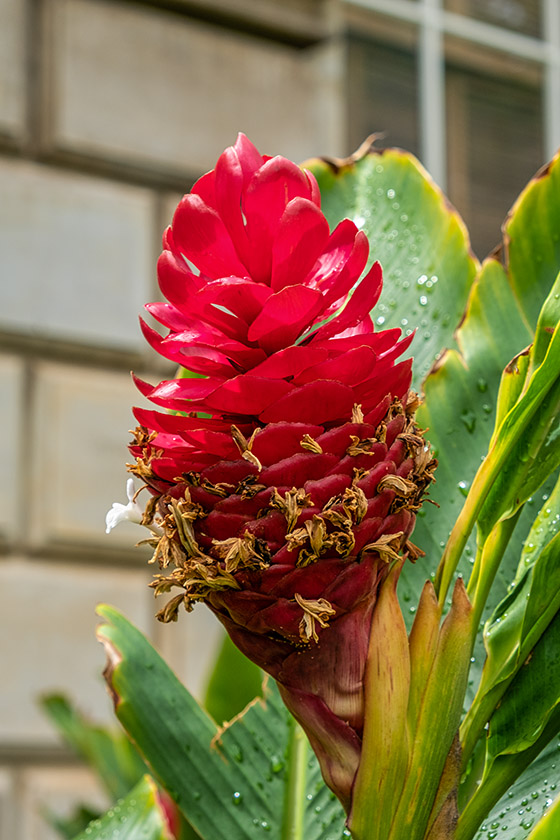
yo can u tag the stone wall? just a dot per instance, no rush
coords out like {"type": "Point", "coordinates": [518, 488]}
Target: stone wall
{"type": "Point", "coordinates": [108, 112]}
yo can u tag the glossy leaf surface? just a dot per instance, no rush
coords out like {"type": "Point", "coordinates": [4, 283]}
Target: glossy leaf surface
{"type": "Point", "coordinates": [548, 827]}
{"type": "Point", "coordinates": [528, 443]}
{"type": "Point", "coordinates": [136, 817]}
{"type": "Point", "coordinates": [519, 620]}
{"type": "Point", "coordinates": [459, 410]}
{"type": "Point", "coordinates": [528, 798]}
{"type": "Point", "coordinates": [230, 783]}
{"type": "Point", "coordinates": [419, 239]}
{"type": "Point", "coordinates": [525, 710]}
{"type": "Point", "coordinates": [532, 240]}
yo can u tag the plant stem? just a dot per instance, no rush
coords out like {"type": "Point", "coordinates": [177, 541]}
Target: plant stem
{"type": "Point", "coordinates": [486, 565]}
{"type": "Point", "coordinates": [294, 810]}
{"type": "Point", "coordinates": [484, 571]}
{"type": "Point", "coordinates": [457, 541]}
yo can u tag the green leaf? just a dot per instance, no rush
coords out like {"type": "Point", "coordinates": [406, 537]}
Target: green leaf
{"type": "Point", "coordinates": [459, 411]}
{"type": "Point", "coordinates": [548, 827]}
{"type": "Point", "coordinates": [136, 817]}
{"type": "Point", "coordinates": [230, 783]}
{"type": "Point", "coordinates": [549, 317]}
{"type": "Point", "coordinates": [535, 692]}
{"type": "Point", "coordinates": [523, 723]}
{"type": "Point", "coordinates": [420, 241]}
{"type": "Point", "coordinates": [532, 238]}
{"type": "Point", "coordinates": [527, 446]}
{"type": "Point", "coordinates": [432, 738]}
{"type": "Point", "coordinates": [109, 753]}
{"type": "Point", "coordinates": [233, 683]}
{"type": "Point", "coordinates": [520, 619]}
{"type": "Point", "coordinates": [495, 329]}
{"type": "Point", "coordinates": [544, 529]}
{"type": "Point", "coordinates": [385, 748]}
{"type": "Point", "coordinates": [518, 810]}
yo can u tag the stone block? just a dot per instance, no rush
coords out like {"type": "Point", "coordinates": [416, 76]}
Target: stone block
{"type": "Point", "coordinates": [12, 67]}
{"type": "Point", "coordinates": [11, 417]}
{"type": "Point", "coordinates": [49, 609]}
{"type": "Point", "coordinates": [157, 89]}
{"type": "Point", "coordinates": [81, 422]}
{"type": "Point", "coordinates": [76, 255]}
{"type": "Point", "coordinates": [60, 790]}
{"type": "Point", "coordinates": [7, 804]}
{"type": "Point", "coordinates": [304, 20]}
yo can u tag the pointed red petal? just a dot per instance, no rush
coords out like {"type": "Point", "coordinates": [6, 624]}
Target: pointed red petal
{"type": "Point", "coordinates": [176, 281]}
{"type": "Point", "coordinates": [314, 187]}
{"type": "Point", "coordinates": [247, 394]}
{"type": "Point", "coordinates": [167, 315]}
{"type": "Point", "coordinates": [270, 189]}
{"type": "Point", "coordinates": [243, 298]}
{"type": "Point", "coordinates": [202, 236]}
{"type": "Point", "coordinates": [284, 317]}
{"type": "Point", "coordinates": [302, 235]}
{"type": "Point", "coordinates": [279, 440]}
{"type": "Point", "coordinates": [205, 187]}
{"type": "Point", "coordinates": [395, 382]}
{"type": "Point", "coordinates": [364, 298]}
{"type": "Point", "coordinates": [342, 262]}
{"type": "Point", "coordinates": [173, 395]}
{"type": "Point", "coordinates": [351, 368]}
{"type": "Point", "coordinates": [289, 362]}
{"type": "Point", "coordinates": [175, 423]}
{"type": "Point", "coordinates": [323, 489]}
{"type": "Point", "coordinates": [316, 402]}
{"type": "Point", "coordinates": [296, 469]}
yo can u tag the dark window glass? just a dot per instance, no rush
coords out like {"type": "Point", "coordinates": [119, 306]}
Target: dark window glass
{"type": "Point", "coordinates": [495, 144]}
{"type": "Point", "coordinates": [382, 93]}
{"type": "Point", "coordinates": [519, 15]}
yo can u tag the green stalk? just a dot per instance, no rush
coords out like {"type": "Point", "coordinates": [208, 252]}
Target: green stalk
{"type": "Point", "coordinates": [436, 726]}
{"type": "Point", "coordinates": [486, 565]}
{"type": "Point", "coordinates": [385, 747]}
{"type": "Point", "coordinates": [296, 774]}
{"type": "Point", "coordinates": [466, 521]}
{"type": "Point", "coordinates": [486, 700]}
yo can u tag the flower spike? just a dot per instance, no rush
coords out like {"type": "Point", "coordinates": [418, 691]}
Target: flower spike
{"type": "Point", "coordinates": [286, 481]}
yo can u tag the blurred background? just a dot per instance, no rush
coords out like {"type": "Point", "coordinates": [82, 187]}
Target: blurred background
{"type": "Point", "coordinates": [109, 110]}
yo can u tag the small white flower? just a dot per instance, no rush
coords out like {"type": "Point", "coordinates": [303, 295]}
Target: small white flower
{"type": "Point", "coordinates": [118, 513]}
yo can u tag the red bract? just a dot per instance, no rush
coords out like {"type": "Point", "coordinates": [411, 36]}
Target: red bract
{"type": "Point", "coordinates": [288, 482]}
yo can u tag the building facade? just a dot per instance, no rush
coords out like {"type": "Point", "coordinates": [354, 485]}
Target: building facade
{"type": "Point", "coordinates": [109, 110]}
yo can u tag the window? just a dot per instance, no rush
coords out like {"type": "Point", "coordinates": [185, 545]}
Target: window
{"type": "Point", "coordinates": [472, 86]}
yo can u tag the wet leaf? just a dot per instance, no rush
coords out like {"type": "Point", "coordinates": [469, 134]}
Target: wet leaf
{"type": "Point", "coordinates": [419, 239]}
{"type": "Point", "coordinates": [229, 783]}
{"type": "Point", "coordinates": [136, 817]}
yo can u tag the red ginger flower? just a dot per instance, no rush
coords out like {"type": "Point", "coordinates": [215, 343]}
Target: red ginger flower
{"type": "Point", "coordinates": [288, 482]}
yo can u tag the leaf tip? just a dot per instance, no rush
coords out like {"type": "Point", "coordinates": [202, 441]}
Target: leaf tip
{"type": "Point", "coordinates": [114, 657]}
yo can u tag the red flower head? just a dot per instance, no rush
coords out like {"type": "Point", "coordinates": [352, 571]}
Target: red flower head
{"type": "Point", "coordinates": [287, 479]}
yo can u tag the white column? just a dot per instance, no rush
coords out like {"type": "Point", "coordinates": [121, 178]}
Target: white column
{"type": "Point", "coordinates": [432, 92]}
{"type": "Point", "coordinates": [551, 99]}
